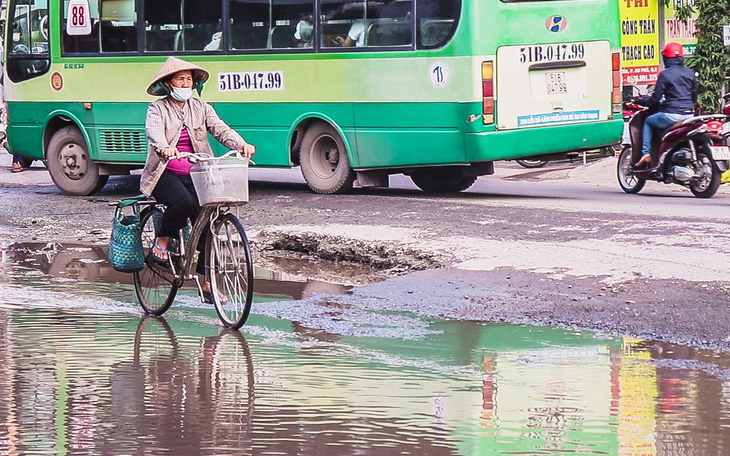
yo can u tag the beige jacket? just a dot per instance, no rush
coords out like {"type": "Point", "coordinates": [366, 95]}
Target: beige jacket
{"type": "Point", "coordinates": [164, 123]}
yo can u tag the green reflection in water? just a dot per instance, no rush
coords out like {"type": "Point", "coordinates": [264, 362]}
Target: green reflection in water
{"type": "Point", "coordinates": [78, 377]}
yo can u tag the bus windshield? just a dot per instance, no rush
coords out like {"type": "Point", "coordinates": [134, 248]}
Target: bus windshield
{"type": "Point", "coordinates": [29, 38]}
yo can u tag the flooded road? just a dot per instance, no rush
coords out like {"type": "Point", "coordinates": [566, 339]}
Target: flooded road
{"type": "Point", "coordinates": [83, 372]}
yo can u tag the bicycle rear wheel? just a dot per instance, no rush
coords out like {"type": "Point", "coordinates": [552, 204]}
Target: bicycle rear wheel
{"type": "Point", "coordinates": [230, 270]}
{"type": "Point", "coordinates": [154, 284]}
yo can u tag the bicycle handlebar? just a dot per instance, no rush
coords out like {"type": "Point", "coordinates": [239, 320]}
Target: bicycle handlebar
{"type": "Point", "coordinates": [196, 157]}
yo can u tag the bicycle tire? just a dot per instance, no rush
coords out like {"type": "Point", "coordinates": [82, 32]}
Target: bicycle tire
{"type": "Point", "coordinates": [230, 270]}
{"type": "Point", "coordinates": [154, 285]}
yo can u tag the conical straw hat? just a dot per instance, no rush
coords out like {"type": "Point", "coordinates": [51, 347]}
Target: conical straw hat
{"type": "Point", "coordinates": [171, 66]}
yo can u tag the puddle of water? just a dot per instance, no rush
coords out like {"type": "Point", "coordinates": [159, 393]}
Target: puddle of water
{"type": "Point", "coordinates": [81, 373]}
{"type": "Point", "coordinates": [53, 265]}
{"type": "Point", "coordinates": [75, 380]}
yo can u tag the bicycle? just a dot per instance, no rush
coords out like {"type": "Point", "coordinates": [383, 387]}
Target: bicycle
{"type": "Point", "coordinates": [219, 182]}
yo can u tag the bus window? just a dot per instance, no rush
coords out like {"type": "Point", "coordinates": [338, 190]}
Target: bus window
{"type": "Point", "coordinates": [293, 23]}
{"type": "Point", "coordinates": [250, 24]}
{"type": "Point", "coordinates": [367, 24]}
{"type": "Point", "coordinates": [28, 55]}
{"type": "Point", "coordinates": [437, 21]}
{"type": "Point", "coordinates": [82, 44]}
{"type": "Point", "coordinates": [118, 26]}
{"type": "Point", "coordinates": [345, 24]}
{"type": "Point", "coordinates": [113, 29]}
{"type": "Point", "coordinates": [271, 24]}
{"type": "Point", "coordinates": [183, 26]}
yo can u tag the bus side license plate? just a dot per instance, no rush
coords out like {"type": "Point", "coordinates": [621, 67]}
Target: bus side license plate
{"type": "Point", "coordinates": [720, 152]}
{"type": "Point", "coordinates": [556, 82]}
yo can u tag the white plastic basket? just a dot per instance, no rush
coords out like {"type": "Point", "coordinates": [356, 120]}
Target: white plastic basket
{"type": "Point", "coordinates": [221, 181]}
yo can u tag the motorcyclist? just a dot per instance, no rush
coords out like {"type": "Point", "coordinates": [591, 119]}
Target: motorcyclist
{"type": "Point", "coordinates": [675, 93]}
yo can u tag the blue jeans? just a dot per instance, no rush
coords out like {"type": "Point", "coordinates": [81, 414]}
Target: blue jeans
{"type": "Point", "coordinates": [660, 120]}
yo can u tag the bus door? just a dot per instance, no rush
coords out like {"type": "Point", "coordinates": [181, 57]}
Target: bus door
{"type": "Point", "coordinates": [551, 84]}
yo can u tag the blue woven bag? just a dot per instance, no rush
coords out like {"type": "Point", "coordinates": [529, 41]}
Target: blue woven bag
{"type": "Point", "coordinates": [126, 253]}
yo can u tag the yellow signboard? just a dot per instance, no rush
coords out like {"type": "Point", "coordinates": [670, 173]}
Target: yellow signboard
{"type": "Point", "coordinates": [639, 41]}
{"type": "Point", "coordinates": [681, 31]}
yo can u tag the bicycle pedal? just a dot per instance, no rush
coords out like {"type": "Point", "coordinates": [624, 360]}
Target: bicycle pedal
{"type": "Point", "coordinates": [173, 246]}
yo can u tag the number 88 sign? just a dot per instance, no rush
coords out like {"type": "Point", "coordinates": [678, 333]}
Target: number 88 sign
{"type": "Point", "coordinates": [78, 20]}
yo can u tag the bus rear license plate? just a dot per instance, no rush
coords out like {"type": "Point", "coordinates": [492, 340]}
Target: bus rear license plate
{"type": "Point", "coordinates": [725, 129]}
{"type": "Point", "coordinates": [556, 82]}
{"type": "Point", "coordinates": [720, 152]}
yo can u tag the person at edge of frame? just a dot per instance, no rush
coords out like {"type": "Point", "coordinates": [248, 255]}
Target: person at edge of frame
{"type": "Point", "coordinates": [176, 123]}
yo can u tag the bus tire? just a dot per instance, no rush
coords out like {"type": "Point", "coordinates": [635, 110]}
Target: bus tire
{"type": "Point", "coordinates": [527, 163]}
{"type": "Point", "coordinates": [70, 166]}
{"type": "Point", "coordinates": [442, 180]}
{"type": "Point", "coordinates": [324, 162]}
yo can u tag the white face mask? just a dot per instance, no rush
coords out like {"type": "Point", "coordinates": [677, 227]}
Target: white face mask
{"type": "Point", "coordinates": [181, 93]}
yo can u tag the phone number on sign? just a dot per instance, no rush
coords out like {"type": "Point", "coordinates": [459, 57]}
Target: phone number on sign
{"type": "Point", "coordinates": [552, 53]}
{"type": "Point", "coordinates": [250, 80]}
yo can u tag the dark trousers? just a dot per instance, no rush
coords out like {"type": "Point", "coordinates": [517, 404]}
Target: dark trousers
{"type": "Point", "coordinates": [178, 194]}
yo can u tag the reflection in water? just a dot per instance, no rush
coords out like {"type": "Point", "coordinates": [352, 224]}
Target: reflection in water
{"type": "Point", "coordinates": [75, 383]}
{"type": "Point", "coordinates": [70, 263]}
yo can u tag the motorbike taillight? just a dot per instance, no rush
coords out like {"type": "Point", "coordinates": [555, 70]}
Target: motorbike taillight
{"type": "Point", "coordinates": [714, 126]}
{"type": "Point", "coordinates": [726, 108]}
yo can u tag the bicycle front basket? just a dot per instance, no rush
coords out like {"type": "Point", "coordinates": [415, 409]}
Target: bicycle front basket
{"type": "Point", "coordinates": [222, 181]}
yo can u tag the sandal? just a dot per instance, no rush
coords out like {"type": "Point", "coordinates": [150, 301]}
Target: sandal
{"type": "Point", "coordinates": [16, 168]}
{"type": "Point", "coordinates": [208, 297]}
{"type": "Point", "coordinates": [159, 259]}
{"type": "Point", "coordinates": [645, 159]}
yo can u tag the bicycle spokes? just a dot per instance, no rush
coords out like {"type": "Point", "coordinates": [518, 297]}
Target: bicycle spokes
{"type": "Point", "coordinates": [230, 270]}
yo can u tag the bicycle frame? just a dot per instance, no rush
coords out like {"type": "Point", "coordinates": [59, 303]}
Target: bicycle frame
{"type": "Point", "coordinates": [207, 215]}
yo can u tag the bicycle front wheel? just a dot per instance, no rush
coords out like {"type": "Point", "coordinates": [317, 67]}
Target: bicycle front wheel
{"type": "Point", "coordinates": [230, 270]}
{"type": "Point", "coordinates": [154, 284]}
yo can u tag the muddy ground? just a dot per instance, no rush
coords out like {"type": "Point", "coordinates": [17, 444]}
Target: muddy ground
{"type": "Point", "coordinates": [429, 256]}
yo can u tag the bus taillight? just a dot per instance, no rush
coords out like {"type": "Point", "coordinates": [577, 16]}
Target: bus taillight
{"type": "Point", "coordinates": [616, 67]}
{"type": "Point", "coordinates": [488, 92]}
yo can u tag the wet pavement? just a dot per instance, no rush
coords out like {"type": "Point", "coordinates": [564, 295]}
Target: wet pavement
{"type": "Point", "coordinates": [84, 373]}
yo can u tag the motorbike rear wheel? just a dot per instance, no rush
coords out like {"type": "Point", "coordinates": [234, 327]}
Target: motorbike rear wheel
{"type": "Point", "coordinates": [625, 171]}
{"type": "Point", "coordinates": [709, 182]}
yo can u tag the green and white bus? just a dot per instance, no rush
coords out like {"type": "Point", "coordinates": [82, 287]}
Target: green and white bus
{"type": "Point", "coordinates": [350, 91]}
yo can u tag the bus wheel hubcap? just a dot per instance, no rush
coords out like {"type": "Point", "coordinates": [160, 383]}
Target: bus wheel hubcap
{"type": "Point", "coordinates": [326, 157]}
{"type": "Point", "coordinates": [73, 161]}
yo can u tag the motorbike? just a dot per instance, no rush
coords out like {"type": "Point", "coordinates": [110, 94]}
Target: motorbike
{"type": "Point", "coordinates": [692, 153]}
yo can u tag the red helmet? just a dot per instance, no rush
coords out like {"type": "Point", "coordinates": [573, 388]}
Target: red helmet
{"type": "Point", "coordinates": [673, 50]}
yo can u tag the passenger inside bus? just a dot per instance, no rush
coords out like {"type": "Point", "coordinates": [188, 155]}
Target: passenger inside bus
{"type": "Point", "coordinates": [376, 24]}
{"type": "Point", "coordinates": [215, 40]}
{"type": "Point", "coordinates": [355, 36]}
{"type": "Point", "coordinates": [303, 32]}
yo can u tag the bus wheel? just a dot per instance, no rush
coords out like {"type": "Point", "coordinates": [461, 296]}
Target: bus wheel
{"type": "Point", "coordinates": [324, 162]}
{"type": "Point", "coordinates": [442, 180]}
{"type": "Point", "coordinates": [527, 163]}
{"type": "Point", "coordinates": [70, 166]}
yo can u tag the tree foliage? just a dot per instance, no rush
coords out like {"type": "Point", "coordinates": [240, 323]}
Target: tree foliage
{"type": "Point", "coordinates": [712, 59]}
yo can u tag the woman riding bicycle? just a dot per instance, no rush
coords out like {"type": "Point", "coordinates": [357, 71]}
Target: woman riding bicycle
{"type": "Point", "coordinates": [180, 123]}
